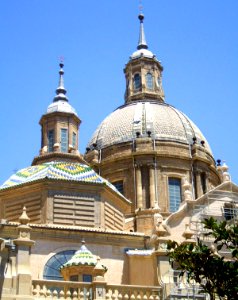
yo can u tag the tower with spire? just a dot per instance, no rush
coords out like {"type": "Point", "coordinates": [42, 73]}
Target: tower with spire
{"type": "Point", "coordinates": [143, 72]}
{"type": "Point", "coordinates": [59, 128]}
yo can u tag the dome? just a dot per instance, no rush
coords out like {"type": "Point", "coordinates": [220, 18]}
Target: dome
{"type": "Point", "coordinates": [57, 170]}
{"type": "Point", "coordinates": [61, 106]}
{"type": "Point", "coordinates": [142, 52]}
{"type": "Point", "coordinates": [163, 121]}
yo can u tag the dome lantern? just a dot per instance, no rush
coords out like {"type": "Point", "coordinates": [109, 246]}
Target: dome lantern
{"type": "Point", "coordinates": [143, 73]}
{"type": "Point", "coordinates": [60, 128]}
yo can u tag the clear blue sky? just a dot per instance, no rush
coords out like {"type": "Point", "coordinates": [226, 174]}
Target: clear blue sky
{"type": "Point", "coordinates": [197, 42]}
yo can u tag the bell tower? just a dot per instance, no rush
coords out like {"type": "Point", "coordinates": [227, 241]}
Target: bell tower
{"type": "Point", "coordinates": [143, 73]}
{"type": "Point", "coordinates": [59, 129]}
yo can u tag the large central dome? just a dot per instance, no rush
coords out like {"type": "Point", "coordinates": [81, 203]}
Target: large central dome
{"type": "Point", "coordinates": [159, 120]}
{"type": "Point", "coordinates": [147, 148]}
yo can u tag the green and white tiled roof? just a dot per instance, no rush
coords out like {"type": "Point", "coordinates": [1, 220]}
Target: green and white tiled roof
{"type": "Point", "coordinates": [82, 257]}
{"type": "Point", "coordinates": [58, 171]}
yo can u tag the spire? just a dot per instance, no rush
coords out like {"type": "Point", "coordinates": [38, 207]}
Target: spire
{"type": "Point", "coordinates": [61, 91]}
{"type": "Point", "coordinates": [142, 41]}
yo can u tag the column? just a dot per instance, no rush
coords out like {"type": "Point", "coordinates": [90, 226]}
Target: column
{"type": "Point", "coordinates": [138, 187]}
{"type": "Point", "coordinates": [198, 184]}
{"type": "Point", "coordinates": [152, 186]}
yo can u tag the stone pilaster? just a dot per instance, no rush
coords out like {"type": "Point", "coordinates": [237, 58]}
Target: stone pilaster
{"type": "Point", "coordinates": [152, 186]}
{"type": "Point", "coordinates": [198, 184]}
{"type": "Point", "coordinates": [138, 187]}
{"type": "Point", "coordinates": [23, 247]}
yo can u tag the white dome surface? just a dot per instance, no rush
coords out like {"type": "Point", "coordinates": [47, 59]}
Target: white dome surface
{"type": "Point", "coordinates": [163, 121]}
{"type": "Point", "coordinates": [142, 52]}
{"type": "Point", "coordinates": [62, 106]}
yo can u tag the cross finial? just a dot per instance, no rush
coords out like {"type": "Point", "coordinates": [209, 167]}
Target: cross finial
{"type": "Point", "coordinates": [140, 7]}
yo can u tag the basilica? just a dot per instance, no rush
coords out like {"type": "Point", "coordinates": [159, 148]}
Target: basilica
{"type": "Point", "coordinates": [96, 225]}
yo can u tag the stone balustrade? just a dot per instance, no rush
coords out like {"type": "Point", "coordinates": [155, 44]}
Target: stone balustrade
{"type": "Point", "coordinates": [70, 290]}
{"type": "Point", "coordinates": [133, 292]}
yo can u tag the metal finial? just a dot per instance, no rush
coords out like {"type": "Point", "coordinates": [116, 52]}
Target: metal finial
{"type": "Point", "coordinates": [142, 41]}
{"type": "Point", "coordinates": [61, 91]}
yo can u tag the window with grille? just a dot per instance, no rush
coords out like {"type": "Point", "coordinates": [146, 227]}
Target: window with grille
{"type": "Point", "coordinates": [64, 139]}
{"type": "Point", "coordinates": [149, 81]}
{"type": "Point", "coordinates": [174, 194]}
{"type": "Point", "coordinates": [51, 140]}
{"type": "Point", "coordinates": [52, 267]}
{"type": "Point", "coordinates": [137, 81]}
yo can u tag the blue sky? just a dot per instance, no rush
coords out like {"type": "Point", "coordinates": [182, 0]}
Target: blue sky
{"type": "Point", "coordinates": [197, 42]}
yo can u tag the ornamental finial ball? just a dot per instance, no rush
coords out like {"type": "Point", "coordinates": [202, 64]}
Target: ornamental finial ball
{"type": "Point", "coordinates": [141, 17]}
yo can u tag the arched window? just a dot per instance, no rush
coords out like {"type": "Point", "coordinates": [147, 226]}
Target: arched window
{"type": "Point", "coordinates": [174, 194]}
{"type": "Point", "coordinates": [51, 269]}
{"type": "Point", "coordinates": [137, 81]}
{"type": "Point", "coordinates": [149, 81]}
{"type": "Point", "coordinates": [64, 140]}
{"type": "Point", "coordinates": [51, 140]}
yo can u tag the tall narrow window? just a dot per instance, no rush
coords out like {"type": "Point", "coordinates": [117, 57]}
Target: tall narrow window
{"type": "Point", "coordinates": [51, 140]}
{"type": "Point", "coordinates": [64, 140]}
{"type": "Point", "coordinates": [137, 82]}
{"type": "Point", "coordinates": [149, 81]}
{"type": "Point", "coordinates": [145, 183]}
{"type": "Point", "coordinates": [74, 140]}
{"type": "Point", "coordinates": [203, 183]}
{"type": "Point", "coordinates": [174, 194]}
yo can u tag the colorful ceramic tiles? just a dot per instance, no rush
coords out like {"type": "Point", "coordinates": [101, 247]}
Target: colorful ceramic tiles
{"type": "Point", "coordinates": [55, 170]}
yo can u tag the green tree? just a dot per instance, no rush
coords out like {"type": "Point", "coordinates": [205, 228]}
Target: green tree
{"type": "Point", "coordinates": [216, 275]}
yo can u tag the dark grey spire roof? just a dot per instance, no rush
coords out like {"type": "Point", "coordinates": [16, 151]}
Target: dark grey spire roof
{"type": "Point", "coordinates": [142, 41]}
{"type": "Point", "coordinates": [61, 91]}
{"type": "Point", "coordinates": [60, 102]}
{"type": "Point", "coordinates": [142, 47]}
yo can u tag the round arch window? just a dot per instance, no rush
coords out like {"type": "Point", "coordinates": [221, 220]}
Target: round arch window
{"type": "Point", "coordinates": [52, 267]}
{"type": "Point", "coordinates": [137, 81]}
{"type": "Point", "coordinates": [149, 81]}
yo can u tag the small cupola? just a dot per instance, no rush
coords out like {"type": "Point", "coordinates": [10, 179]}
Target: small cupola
{"type": "Point", "coordinates": [59, 128]}
{"type": "Point", "coordinates": [83, 266]}
{"type": "Point", "coordinates": [143, 72]}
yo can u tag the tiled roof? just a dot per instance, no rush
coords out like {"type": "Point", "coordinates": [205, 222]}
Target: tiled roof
{"type": "Point", "coordinates": [79, 228]}
{"type": "Point", "coordinates": [163, 121]}
{"type": "Point", "coordinates": [58, 171]}
{"type": "Point", "coordinates": [82, 257]}
{"type": "Point", "coordinates": [143, 252]}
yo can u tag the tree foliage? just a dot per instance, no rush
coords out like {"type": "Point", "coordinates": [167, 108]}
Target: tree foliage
{"type": "Point", "coordinates": [217, 275]}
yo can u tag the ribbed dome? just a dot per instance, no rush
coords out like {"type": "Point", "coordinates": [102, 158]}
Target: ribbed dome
{"type": "Point", "coordinates": [163, 121]}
